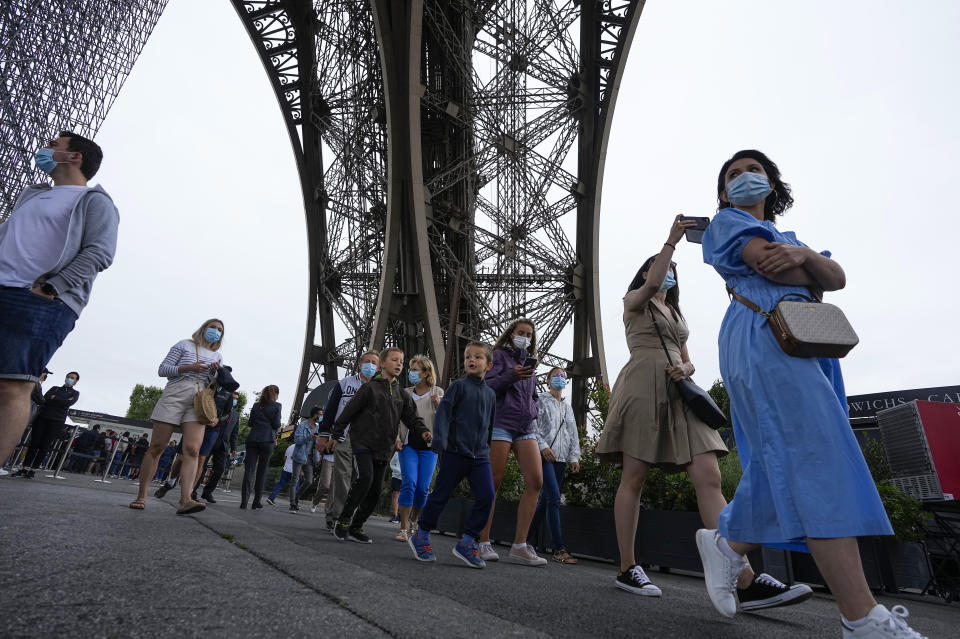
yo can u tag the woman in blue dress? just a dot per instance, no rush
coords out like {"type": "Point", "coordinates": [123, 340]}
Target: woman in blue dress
{"type": "Point", "coordinates": [805, 482]}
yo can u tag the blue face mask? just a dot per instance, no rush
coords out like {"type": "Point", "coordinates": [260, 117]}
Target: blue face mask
{"type": "Point", "coordinates": [558, 382]}
{"type": "Point", "coordinates": [414, 377]}
{"type": "Point", "coordinates": [212, 335]}
{"type": "Point", "coordinates": [44, 161]}
{"type": "Point", "coordinates": [234, 403]}
{"type": "Point", "coordinates": [748, 189]}
{"type": "Point", "coordinates": [368, 370]}
{"type": "Point", "coordinates": [69, 382]}
{"type": "Point", "coordinates": [668, 282]}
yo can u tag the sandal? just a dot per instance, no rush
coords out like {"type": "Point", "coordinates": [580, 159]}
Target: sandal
{"type": "Point", "coordinates": [563, 557]}
{"type": "Point", "coordinates": [403, 535]}
{"type": "Point", "coordinates": [138, 504]}
{"type": "Point", "coordinates": [190, 507]}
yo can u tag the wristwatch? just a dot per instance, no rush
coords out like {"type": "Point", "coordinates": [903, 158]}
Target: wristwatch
{"type": "Point", "coordinates": [48, 289]}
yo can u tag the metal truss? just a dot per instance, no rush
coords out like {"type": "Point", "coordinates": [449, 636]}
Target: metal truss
{"type": "Point", "coordinates": [62, 63]}
{"type": "Point", "coordinates": [450, 155]}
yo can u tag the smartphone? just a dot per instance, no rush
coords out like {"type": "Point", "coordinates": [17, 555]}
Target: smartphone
{"type": "Point", "coordinates": [695, 233]}
{"type": "Point", "coordinates": [531, 363]}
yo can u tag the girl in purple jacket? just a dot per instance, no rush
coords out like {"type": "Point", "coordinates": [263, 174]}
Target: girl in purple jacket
{"type": "Point", "coordinates": [515, 384]}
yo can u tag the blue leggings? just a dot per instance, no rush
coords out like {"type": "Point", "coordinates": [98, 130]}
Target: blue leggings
{"type": "Point", "coordinates": [416, 466]}
{"type": "Point", "coordinates": [549, 505]}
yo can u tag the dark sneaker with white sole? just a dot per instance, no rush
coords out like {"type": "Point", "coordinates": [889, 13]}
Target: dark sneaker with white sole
{"type": "Point", "coordinates": [340, 531]}
{"type": "Point", "coordinates": [635, 580]}
{"type": "Point", "coordinates": [767, 592]}
{"type": "Point", "coordinates": [359, 536]}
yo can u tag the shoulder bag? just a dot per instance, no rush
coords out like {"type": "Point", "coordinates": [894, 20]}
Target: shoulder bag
{"type": "Point", "coordinates": [806, 328]}
{"type": "Point", "coordinates": [696, 399]}
{"type": "Point", "coordinates": [203, 404]}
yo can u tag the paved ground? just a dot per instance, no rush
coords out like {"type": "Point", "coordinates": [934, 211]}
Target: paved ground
{"type": "Point", "coordinates": [76, 562]}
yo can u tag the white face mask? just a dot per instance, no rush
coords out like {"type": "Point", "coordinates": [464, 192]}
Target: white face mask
{"type": "Point", "coordinates": [521, 342]}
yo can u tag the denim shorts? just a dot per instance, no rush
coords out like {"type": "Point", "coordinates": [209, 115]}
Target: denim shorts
{"type": "Point", "coordinates": [32, 328]}
{"type": "Point", "coordinates": [504, 435]}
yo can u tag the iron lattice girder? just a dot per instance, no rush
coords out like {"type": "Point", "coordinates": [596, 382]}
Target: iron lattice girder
{"type": "Point", "coordinates": [503, 92]}
{"type": "Point", "coordinates": [62, 64]}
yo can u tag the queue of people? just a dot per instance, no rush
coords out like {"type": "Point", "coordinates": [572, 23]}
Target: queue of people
{"type": "Point", "coordinates": [805, 483]}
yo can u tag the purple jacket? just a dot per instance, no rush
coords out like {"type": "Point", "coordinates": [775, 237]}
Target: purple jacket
{"type": "Point", "coordinates": [516, 398]}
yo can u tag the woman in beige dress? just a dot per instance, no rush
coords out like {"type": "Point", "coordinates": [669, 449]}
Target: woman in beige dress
{"type": "Point", "coordinates": [648, 425]}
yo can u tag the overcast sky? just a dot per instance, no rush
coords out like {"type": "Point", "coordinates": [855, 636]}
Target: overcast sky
{"type": "Point", "coordinates": [855, 101]}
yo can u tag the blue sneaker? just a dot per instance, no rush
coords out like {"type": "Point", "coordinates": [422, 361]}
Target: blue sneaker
{"type": "Point", "coordinates": [468, 551]}
{"type": "Point", "coordinates": [420, 543]}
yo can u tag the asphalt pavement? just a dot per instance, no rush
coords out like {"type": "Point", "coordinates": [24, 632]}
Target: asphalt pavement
{"type": "Point", "coordinates": [75, 561]}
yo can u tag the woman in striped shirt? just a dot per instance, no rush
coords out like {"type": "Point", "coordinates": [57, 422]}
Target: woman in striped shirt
{"type": "Point", "coordinates": [189, 365]}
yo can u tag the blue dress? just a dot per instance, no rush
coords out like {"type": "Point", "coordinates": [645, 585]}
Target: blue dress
{"type": "Point", "coordinates": [803, 472]}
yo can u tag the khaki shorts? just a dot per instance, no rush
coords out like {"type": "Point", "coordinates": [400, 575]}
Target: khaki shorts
{"type": "Point", "coordinates": [176, 403]}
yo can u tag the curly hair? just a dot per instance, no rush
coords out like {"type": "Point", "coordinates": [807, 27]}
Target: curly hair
{"type": "Point", "coordinates": [777, 202]}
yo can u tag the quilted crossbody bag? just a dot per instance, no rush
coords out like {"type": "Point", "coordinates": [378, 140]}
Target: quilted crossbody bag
{"type": "Point", "coordinates": [203, 404]}
{"type": "Point", "coordinates": [806, 327]}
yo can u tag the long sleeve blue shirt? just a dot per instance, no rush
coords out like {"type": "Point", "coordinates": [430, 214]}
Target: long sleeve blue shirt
{"type": "Point", "coordinates": [465, 418]}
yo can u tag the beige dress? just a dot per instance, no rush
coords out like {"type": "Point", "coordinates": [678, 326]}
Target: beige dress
{"type": "Point", "coordinates": [647, 418]}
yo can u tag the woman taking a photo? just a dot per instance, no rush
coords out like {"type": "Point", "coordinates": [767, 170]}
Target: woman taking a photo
{"type": "Point", "coordinates": [516, 387]}
{"type": "Point", "coordinates": [264, 424]}
{"type": "Point", "coordinates": [559, 444]}
{"type": "Point", "coordinates": [417, 459]}
{"type": "Point", "coordinates": [805, 481]}
{"type": "Point", "coordinates": [190, 365]}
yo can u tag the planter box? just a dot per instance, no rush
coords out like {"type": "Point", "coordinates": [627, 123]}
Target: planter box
{"type": "Point", "coordinates": [667, 538]}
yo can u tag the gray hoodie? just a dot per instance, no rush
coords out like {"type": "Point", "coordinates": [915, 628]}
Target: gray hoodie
{"type": "Point", "coordinates": [90, 247]}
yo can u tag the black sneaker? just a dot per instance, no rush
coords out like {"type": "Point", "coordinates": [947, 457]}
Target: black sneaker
{"type": "Point", "coordinates": [163, 490]}
{"type": "Point", "coordinates": [767, 592]}
{"type": "Point", "coordinates": [340, 531]}
{"type": "Point", "coordinates": [635, 580]}
{"type": "Point", "coordinates": [331, 526]}
{"type": "Point", "coordinates": [359, 536]}
{"type": "Point", "coordinates": [30, 474]}
{"type": "Point", "coordinates": [271, 502]}
{"type": "Point", "coordinates": [293, 509]}
{"type": "Point", "coordinates": [208, 498]}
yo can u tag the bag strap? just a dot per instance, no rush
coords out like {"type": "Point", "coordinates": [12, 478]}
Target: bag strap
{"type": "Point", "coordinates": [562, 423]}
{"type": "Point", "coordinates": [755, 308]}
{"type": "Point", "coordinates": [659, 334]}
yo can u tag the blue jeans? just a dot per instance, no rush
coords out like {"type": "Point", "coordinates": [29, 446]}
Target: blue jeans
{"type": "Point", "coordinates": [284, 478]}
{"type": "Point", "coordinates": [453, 468]}
{"type": "Point", "coordinates": [32, 328]}
{"type": "Point", "coordinates": [549, 505]}
{"type": "Point", "coordinates": [416, 467]}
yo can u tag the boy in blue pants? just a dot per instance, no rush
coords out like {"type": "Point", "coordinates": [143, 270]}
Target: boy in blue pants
{"type": "Point", "coordinates": [461, 434]}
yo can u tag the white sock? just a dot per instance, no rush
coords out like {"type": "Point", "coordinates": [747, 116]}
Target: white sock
{"type": "Point", "coordinates": [855, 624]}
{"type": "Point", "coordinates": [727, 550]}
{"type": "Point", "coordinates": [518, 547]}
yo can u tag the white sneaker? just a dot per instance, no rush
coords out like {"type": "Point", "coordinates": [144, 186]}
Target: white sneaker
{"type": "Point", "coordinates": [3, 473]}
{"type": "Point", "coordinates": [313, 509]}
{"type": "Point", "coordinates": [719, 572]}
{"type": "Point", "coordinates": [883, 624]}
{"type": "Point", "coordinates": [487, 553]}
{"type": "Point", "coordinates": [525, 556]}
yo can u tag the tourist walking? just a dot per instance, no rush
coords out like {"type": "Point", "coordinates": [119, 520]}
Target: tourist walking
{"type": "Point", "coordinates": [49, 424]}
{"type": "Point", "coordinates": [261, 440]}
{"type": "Point", "coordinates": [52, 247]}
{"type": "Point", "coordinates": [286, 472]}
{"type": "Point", "coordinates": [343, 465]}
{"type": "Point", "coordinates": [462, 431]}
{"type": "Point", "coordinates": [805, 482]}
{"type": "Point", "coordinates": [189, 366]}
{"type": "Point", "coordinates": [512, 377]}
{"type": "Point", "coordinates": [374, 416]}
{"type": "Point", "coordinates": [559, 443]}
{"type": "Point", "coordinates": [224, 448]}
{"type": "Point", "coordinates": [417, 459]}
{"type": "Point", "coordinates": [304, 440]}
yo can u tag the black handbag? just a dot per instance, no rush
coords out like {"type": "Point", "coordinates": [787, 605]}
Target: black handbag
{"type": "Point", "coordinates": [696, 399]}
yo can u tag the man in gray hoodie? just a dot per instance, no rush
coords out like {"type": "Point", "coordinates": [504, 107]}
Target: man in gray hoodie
{"type": "Point", "coordinates": [53, 245]}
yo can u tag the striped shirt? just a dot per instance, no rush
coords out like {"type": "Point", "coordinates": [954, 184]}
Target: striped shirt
{"type": "Point", "coordinates": [185, 352]}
